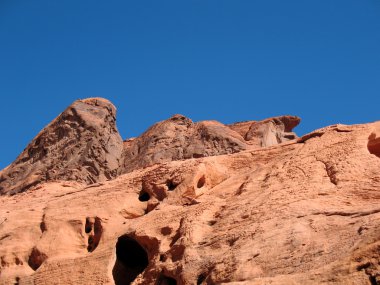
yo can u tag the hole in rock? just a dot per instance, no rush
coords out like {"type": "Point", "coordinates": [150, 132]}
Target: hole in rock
{"type": "Point", "coordinates": [166, 231]}
{"type": "Point", "coordinates": [201, 278]}
{"type": "Point", "coordinates": [18, 261]}
{"type": "Point", "coordinates": [165, 280]}
{"type": "Point", "coordinates": [131, 260]}
{"type": "Point", "coordinates": [94, 238]}
{"type": "Point", "coordinates": [144, 196]}
{"type": "Point", "coordinates": [374, 145]}
{"type": "Point", "coordinates": [90, 247]}
{"type": "Point", "coordinates": [201, 182]}
{"type": "Point", "coordinates": [373, 280]}
{"type": "Point", "coordinates": [43, 227]}
{"type": "Point", "coordinates": [197, 155]}
{"type": "Point", "coordinates": [36, 258]}
{"type": "Point", "coordinates": [88, 226]}
{"type": "Point", "coordinates": [171, 185]}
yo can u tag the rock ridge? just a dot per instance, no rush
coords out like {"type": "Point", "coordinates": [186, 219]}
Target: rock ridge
{"type": "Point", "coordinates": [83, 144]}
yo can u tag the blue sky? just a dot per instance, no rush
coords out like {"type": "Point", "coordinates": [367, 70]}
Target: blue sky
{"type": "Point", "coordinates": [207, 59]}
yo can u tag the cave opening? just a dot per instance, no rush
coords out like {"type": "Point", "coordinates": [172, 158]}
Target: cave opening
{"type": "Point", "coordinates": [131, 260]}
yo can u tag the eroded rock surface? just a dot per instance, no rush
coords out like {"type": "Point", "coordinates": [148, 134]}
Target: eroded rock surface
{"type": "Point", "coordinates": [268, 132]}
{"type": "Point", "coordinates": [179, 138]}
{"type": "Point", "coordinates": [304, 211]}
{"type": "Point", "coordinates": [82, 144]}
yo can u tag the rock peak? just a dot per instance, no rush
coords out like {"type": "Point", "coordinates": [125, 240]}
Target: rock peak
{"type": "Point", "coordinates": [81, 144]}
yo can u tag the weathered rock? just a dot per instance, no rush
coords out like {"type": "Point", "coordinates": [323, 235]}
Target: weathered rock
{"type": "Point", "coordinates": [82, 144]}
{"type": "Point", "coordinates": [179, 138]}
{"type": "Point", "coordinates": [268, 132]}
{"type": "Point", "coordinates": [302, 212]}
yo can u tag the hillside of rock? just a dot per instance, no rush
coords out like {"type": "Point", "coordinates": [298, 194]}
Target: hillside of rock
{"type": "Point", "coordinates": [191, 203]}
{"type": "Point", "coordinates": [82, 144]}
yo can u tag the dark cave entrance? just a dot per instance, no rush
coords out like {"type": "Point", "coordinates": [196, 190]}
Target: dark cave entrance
{"type": "Point", "coordinates": [144, 196]}
{"type": "Point", "coordinates": [131, 260]}
{"type": "Point", "coordinates": [171, 185]}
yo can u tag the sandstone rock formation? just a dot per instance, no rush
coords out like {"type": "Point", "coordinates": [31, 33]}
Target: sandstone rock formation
{"type": "Point", "coordinates": [196, 203]}
{"type": "Point", "coordinates": [268, 132]}
{"type": "Point", "coordinates": [82, 144]}
{"type": "Point", "coordinates": [179, 138]}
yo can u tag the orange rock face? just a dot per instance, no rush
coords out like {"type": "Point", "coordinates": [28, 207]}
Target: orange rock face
{"type": "Point", "coordinates": [82, 144]}
{"type": "Point", "coordinates": [191, 203]}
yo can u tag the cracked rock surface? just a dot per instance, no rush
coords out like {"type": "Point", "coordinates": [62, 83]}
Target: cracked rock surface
{"type": "Point", "coordinates": [192, 203]}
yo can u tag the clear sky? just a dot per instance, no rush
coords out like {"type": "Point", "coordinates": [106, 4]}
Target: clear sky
{"type": "Point", "coordinates": [229, 60]}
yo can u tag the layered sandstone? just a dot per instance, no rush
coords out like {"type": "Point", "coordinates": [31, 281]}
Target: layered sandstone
{"type": "Point", "coordinates": [195, 203]}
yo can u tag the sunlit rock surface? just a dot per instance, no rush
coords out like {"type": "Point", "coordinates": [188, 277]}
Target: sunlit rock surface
{"type": "Point", "coordinates": [191, 203]}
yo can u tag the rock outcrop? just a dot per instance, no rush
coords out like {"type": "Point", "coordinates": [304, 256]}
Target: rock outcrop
{"type": "Point", "coordinates": [199, 203]}
{"type": "Point", "coordinates": [179, 138]}
{"type": "Point", "coordinates": [82, 144]}
{"type": "Point", "coordinates": [268, 132]}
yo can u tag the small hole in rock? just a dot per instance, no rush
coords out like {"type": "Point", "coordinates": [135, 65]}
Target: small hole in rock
{"type": "Point", "coordinates": [43, 227]}
{"type": "Point", "coordinates": [197, 155]}
{"type": "Point", "coordinates": [201, 278]}
{"type": "Point", "coordinates": [131, 260]}
{"type": "Point", "coordinates": [373, 280]}
{"type": "Point", "coordinates": [171, 185]}
{"type": "Point", "coordinates": [18, 261]}
{"type": "Point", "coordinates": [162, 258]}
{"type": "Point", "coordinates": [36, 259]}
{"type": "Point", "coordinates": [144, 196]}
{"type": "Point", "coordinates": [94, 239]}
{"type": "Point", "coordinates": [166, 231]}
{"type": "Point", "coordinates": [90, 244]}
{"type": "Point", "coordinates": [201, 182]}
{"type": "Point", "coordinates": [88, 226]}
{"type": "Point", "coordinates": [374, 145]}
{"type": "Point", "coordinates": [165, 280]}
